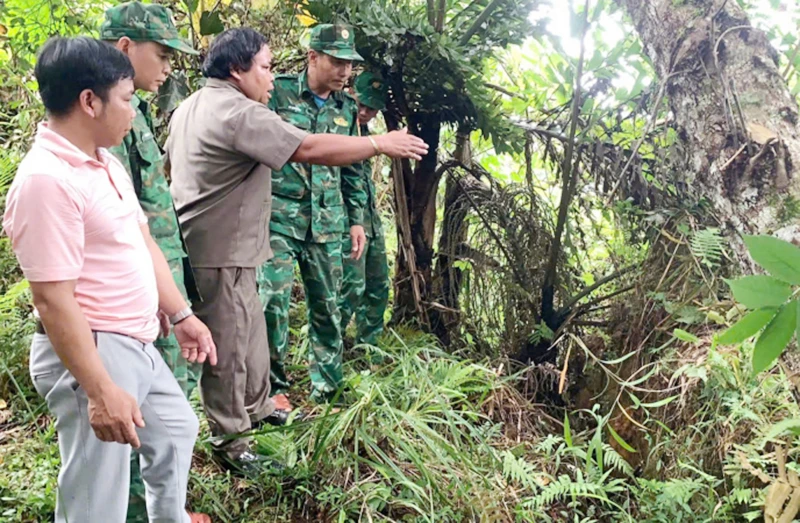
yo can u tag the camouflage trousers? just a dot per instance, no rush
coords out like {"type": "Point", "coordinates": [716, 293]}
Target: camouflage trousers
{"type": "Point", "coordinates": [321, 270]}
{"type": "Point", "coordinates": [365, 289]}
{"type": "Point", "coordinates": [187, 375]}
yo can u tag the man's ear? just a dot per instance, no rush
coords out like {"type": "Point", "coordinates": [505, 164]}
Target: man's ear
{"type": "Point", "coordinates": [124, 44]}
{"type": "Point", "coordinates": [312, 57]}
{"type": "Point", "coordinates": [89, 103]}
{"type": "Point", "coordinates": [236, 74]}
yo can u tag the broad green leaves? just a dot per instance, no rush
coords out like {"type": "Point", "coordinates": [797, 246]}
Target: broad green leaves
{"type": "Point", "coordinates": [779, 258]}
{"type": "Point", "coordinates": [747, 327]}
{"type": "Point", "coordinates": [775, 337]}
{"type": "Point", "coordinates": [759, 291]}
{"type": "Point", "coordinates": [769, 298]}
{"type": "Point", "coordinates": [210, 23]}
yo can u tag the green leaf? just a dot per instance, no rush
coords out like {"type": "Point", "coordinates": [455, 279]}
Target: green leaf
{"type": "Point", "coordinates": [779, 258]}
{"type": "Point", "coordinates": [755, 292]}
{"type": "Point", "coordinates": [748, 326]}
{"type": "Point", "coordinates": [567, 433]}
{"type": "Point", "coordinates": [622, 443]}
{"type": "Point", "coordinates": [660, 403]}
{"type": "Point", "coordinates": [779, 429]}
{"type": "Point", "coordinates": [191, 5]}
{"type": "Point", "coordinates": [576, 24]}
{"type": "Point", "coordinates": [210, 24]}
{"type": "Point", "coordinates": [174, 90]}
{"type": "Point", "coordinates": [775, 337]}
{"type": "Point", "coordinates": [685, 336]}
{"type": "Point", "coordinates": [798, 323]}
{"type": "Point", "coordinates": [636, 401]}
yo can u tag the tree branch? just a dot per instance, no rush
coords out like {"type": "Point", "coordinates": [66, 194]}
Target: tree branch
{"type": "Point", "coordinates": [432, 12]}
{"type": "Point", "coordinates": [466, 9]}
{"type": "Point", "coordinates": [588, 290]}
{"type": "Point", "coordinates": [475, 27]}
{"type": "Point", "coordinates": [440, 16]}
{"type": "Point", "coordinates": [542, 132]}
{"type": "Point", "coordinates": [504, 91]}
{"type": "Point", "coordinates": [789, 65]}
{"type": "Point", "coordinates": [590, 323]}
{"type": "Point", "coordinates": [601, 299]}
{"type": "Point", "coordinates": [570, 174]}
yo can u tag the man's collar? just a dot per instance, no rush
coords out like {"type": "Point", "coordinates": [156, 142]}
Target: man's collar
{"type": "Point", "coordinates": [219, 83]}
{"type": "Point", "coordinates": [305, 92]}
{"type": "Point", "coordinates": [66, 150]}
{"type": "Point", "coordinates": [139, 103]}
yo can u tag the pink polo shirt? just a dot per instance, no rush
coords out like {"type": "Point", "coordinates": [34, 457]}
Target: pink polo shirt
{"type": "Point", "coordinates": [72, 217]}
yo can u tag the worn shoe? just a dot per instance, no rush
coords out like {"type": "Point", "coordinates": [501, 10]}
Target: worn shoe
{"type": "Point", "coordinates": [280, 417]}
{"type": "Point", "coordinates": [248, 464]}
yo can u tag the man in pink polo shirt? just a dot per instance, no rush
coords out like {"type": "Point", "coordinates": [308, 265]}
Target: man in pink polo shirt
{"type": "Point", "coordinates": [98, 282]}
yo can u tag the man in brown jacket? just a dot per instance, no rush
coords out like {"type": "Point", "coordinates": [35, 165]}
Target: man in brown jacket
{"type": "Point", "coordinates": [223, 145]}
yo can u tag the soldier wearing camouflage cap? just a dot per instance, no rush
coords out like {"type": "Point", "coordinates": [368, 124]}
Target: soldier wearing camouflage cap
{"type": "Point", "coordinates": [365, 285]}
{"type": "Point", "coordinates": [148, 36]}
{"type": "Point", "coordinates": [313, 206]}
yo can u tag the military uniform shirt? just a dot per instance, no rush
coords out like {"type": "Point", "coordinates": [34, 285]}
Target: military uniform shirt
{"type": "Point", "coordinates": [316, 202]}
{"type": "Point", "coordinates": [372, 217]}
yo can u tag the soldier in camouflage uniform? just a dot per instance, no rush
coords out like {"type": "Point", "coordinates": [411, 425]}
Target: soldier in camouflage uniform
{"type": "Point", "coordinates": [147, 35]}
{"type": "Point", "coordinates": [365, 286]}
{"type": "Point", "coordinates": [312, 206]}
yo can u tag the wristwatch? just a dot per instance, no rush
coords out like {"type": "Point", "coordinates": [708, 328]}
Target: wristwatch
{"type": "Point", "coordinates": [180, 316]}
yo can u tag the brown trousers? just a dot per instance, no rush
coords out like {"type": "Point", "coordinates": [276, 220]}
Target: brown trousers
{"type": "Point", "coordinates": [235, 392]}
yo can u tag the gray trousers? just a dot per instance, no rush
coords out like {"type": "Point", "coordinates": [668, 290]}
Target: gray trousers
{"type": "Point", "coordinates": [95, 475]}
{"type": "Point", "coordinates": [235, 391]}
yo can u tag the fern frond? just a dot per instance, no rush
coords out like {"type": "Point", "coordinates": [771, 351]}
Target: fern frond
{"type": "Point", "coordinates": [8, 301]}
{"type": "Point", "coordinates": [519, 471]}
{"type": "Point", "coordinates": [8, 168]}
{"type": "Point", "coordinates": [708, 246]}
{"type": "Point", "coordinates": [566, 487]}
{"type": "Point", "coordinates": [614, 461]}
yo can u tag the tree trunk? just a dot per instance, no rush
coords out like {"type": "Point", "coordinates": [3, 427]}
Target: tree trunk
{"type": "Point", "coordinates": [452, 238]}
{"type": "Point", "coordinates": [736, 120]}
{"type": "Point", "coordinates": [420, 186]}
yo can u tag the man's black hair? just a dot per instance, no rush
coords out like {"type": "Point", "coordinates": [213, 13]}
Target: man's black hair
{"type": "Point", "coordinates": [68, 66]}
{"type": "Point", "coordinates": [233, 50]}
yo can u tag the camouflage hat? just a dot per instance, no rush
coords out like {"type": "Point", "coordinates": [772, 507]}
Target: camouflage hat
{"type": "Point", "coordinates": [371, 90]}
{"type": "Point", "coordinates": [335, 40]}
{"type": "Point", "coordinates": [143, 23]}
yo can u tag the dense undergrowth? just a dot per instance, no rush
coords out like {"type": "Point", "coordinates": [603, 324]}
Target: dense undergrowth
{"type": "Point", "coordinates": [682, 431]}
{"type": "Point", "coordinates": [430, 436]}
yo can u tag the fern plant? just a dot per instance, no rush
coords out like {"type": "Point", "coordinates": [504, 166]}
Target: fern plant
{"type": "Point", "coordinates": [708, 246]}
{"type": "Point", "coordinates": [8, 167]}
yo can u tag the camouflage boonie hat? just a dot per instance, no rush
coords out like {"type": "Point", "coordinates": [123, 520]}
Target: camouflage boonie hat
{"type": "Point", "coordinates": [336, 40]}
{"type": "Point", "coordinates": [370, 90]}
{"type": "Point", "coordinates": [143, 23]}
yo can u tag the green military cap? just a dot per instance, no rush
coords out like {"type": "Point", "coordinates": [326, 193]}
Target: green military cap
{"type": "Point", "coordinates": [143, 23]}
{"type": "Point", "coordinates": [371, 90]}
{"type": "Point", "coordinates": [336, 40]}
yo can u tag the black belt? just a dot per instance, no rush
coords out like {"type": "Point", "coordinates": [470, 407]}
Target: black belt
{"type": "Point", "coordinates": [40, 327]}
